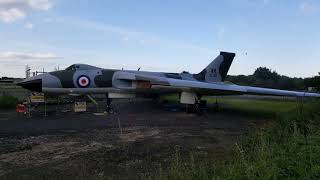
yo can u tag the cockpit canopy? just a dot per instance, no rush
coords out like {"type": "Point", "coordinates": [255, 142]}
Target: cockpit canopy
{"type": "Point", "coordinates": [75, 67]}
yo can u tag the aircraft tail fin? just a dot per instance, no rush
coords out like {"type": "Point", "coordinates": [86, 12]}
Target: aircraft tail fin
{"type": "Point", "coordinates": [218, 69]}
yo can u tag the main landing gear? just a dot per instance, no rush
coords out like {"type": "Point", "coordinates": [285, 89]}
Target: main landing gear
{"type": "Point", "coordinates": [109, 109]}
{"type": "Point", "coordinates": [199, 107]}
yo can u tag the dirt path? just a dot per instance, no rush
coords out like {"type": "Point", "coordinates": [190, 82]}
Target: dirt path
{"type": "Point", "coordinates": [69, 144]}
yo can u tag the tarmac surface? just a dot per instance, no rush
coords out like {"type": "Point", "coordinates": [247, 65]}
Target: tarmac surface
{"type": "Point", "coordinates": [136, 141]}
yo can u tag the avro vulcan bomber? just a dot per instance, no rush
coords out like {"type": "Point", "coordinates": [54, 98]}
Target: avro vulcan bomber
{"type": "Point", "coordinates": [84, 79]}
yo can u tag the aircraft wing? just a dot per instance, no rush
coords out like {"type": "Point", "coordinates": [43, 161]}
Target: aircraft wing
{"type": "Point", "coordinates": [145, 82]}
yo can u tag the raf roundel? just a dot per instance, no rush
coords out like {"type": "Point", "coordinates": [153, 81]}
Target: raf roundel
{"type": "Point", "coordinates": [83, 81]}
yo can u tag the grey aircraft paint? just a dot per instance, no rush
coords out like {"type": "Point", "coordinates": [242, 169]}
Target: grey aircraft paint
{"type": "Point", "coordinates": [86, 79]}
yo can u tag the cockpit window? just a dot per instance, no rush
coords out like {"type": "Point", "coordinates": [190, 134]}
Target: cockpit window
{"type": "Point", "coordinates": [71, 68]}
{"type": "Point", "coordinates": [75, 67]}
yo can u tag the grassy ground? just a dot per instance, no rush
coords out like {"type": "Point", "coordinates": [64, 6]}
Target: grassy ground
{"type": "Point", "coordinates": [8, 102]}
{"type": "Point", "coordinates": [267, 107]}
{"type": "Point", "coordinates": [258, 105]}
{"type": "Point", "coordinates": [286, 148]}
{"type": "Point", "coordinates": [289, 148]}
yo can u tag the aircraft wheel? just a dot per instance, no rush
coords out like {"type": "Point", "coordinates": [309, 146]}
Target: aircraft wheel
{"type": "Point", "coordinates": [108, 106]}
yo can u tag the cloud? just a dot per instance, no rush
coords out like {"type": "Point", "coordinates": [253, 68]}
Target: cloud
{"type": "Point", "coordinates": [41, 4]}
{"type": "Point", "coordinates": [308, 8]}
{"type": "Point", "coordinates": [11, 15]}
{"type": "Point", "coordinates": [126, 34]}
{"type": "Point", "coordinates": [27, 56]}
{"type": "Point", "coordinates": [13, 10]}
{"type": "Point", "coordinates": [29, 25]}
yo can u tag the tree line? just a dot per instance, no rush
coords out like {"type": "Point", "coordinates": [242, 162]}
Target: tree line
{"type": "Point", "coordinates": [265, 77]}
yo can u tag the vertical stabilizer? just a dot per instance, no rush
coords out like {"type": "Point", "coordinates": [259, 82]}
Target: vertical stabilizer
{"type": "Point", "coordinates": [218, 69]}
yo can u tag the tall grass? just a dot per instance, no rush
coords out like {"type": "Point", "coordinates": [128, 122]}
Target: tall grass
{"type": "Point", "coordinates": [288, 149]}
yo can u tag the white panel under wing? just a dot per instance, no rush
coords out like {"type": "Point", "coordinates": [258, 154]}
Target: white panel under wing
{"type": "Point", "coordinates": [121, 95]}
{"type": "Point", "coordinates": [188, 98]}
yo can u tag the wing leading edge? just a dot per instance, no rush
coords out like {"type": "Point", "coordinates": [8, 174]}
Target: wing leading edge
{"type": "Point", "coordinates": [229, 89]}
{"type": "Point", "coordinates": [205, 88]}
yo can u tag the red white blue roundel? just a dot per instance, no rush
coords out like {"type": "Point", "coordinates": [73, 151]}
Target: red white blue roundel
{"type": "Point", "coordinates": [83, 81]}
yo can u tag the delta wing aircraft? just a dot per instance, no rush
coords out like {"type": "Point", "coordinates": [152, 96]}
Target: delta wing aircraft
{"type": "Point", "coordinates": [84, 79]}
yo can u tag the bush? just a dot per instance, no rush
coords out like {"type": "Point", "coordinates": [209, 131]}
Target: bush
{"type": "Point", "coordinates": [8, 102]}
{"type": "Point", "coordinates": [287, 149]}
{"type": "Point", "coordinates": [290, 149]}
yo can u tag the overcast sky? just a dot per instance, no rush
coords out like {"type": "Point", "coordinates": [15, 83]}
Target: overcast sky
{"type": "Point", "coordinates": [160, 35]}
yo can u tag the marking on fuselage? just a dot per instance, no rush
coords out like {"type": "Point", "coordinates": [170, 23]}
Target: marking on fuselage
{"type": "Point", "coordinates": [83, 81]}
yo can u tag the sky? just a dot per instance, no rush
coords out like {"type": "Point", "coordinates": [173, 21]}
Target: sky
{"type": "Point", "coordinates": [160, 35]}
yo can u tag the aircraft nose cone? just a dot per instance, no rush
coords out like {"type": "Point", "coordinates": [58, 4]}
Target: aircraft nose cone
{"type": "Point", "coordinates": [32, 85]}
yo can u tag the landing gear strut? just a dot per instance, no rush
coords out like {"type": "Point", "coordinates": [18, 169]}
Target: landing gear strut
{"type": "Point", "coordinates": [108, 106]}
{"type": "Point", "coordinates": [199, 107]}
{"type": "Point", "coordinates": [217, 105]}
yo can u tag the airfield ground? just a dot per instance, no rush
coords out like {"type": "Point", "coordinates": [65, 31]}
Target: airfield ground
{"type": "Point", "coordinates": [80, 145]}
